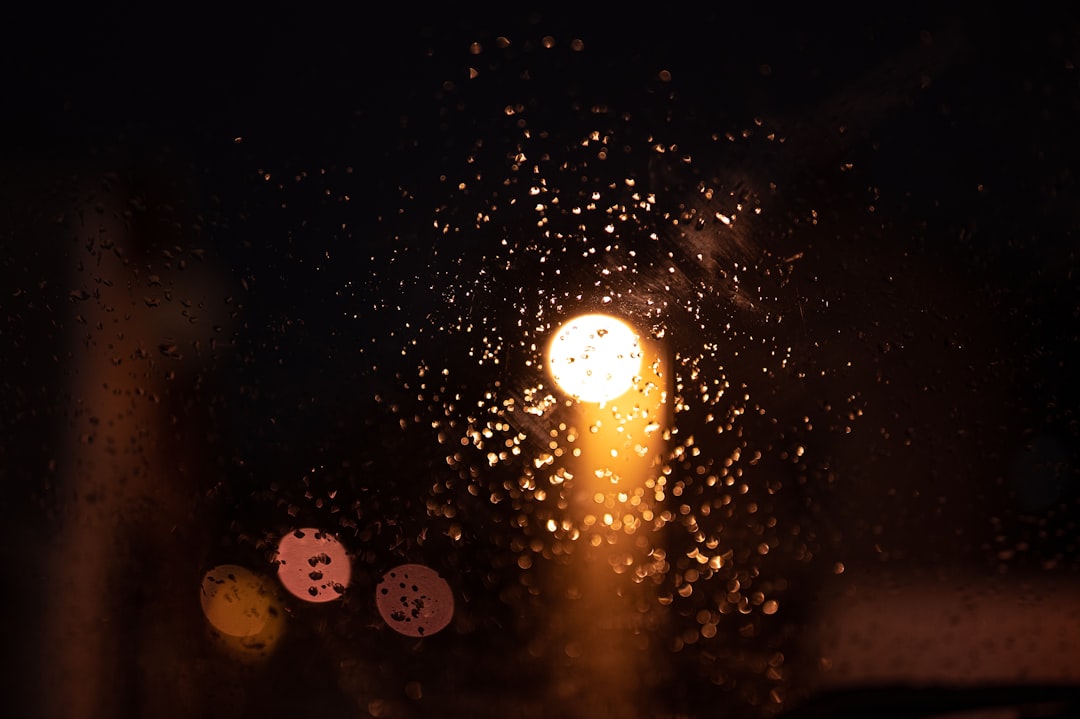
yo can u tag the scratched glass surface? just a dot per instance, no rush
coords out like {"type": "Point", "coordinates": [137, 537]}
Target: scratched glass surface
{"type": "Point", "coordinates": [536, 366]}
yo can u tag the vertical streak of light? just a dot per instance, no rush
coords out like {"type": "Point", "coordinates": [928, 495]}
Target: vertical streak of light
{"type": "Point", "coordinates": [600, 612]}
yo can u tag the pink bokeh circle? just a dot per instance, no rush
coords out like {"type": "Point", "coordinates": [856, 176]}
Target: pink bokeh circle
{"type": "Point", "coordinates": [313, 565]}
{"type": "Point", "coordinates": [414, 600]}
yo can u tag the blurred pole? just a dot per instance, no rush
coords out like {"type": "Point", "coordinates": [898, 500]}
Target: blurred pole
{"type": "Point", "coordinates": [118, 639]}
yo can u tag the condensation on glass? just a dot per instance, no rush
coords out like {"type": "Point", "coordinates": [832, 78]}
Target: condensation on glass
{"type": "Point", "coordinates": [567, 377]}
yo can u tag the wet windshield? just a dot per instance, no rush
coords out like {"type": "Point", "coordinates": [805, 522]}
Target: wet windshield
{"type": "Point", "coordinates": [537, 366]}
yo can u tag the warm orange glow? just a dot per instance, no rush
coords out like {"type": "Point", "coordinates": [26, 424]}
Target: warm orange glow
{"type": "Point", "coordinates": [620, 446]}
{"type": "Point", "coordinates": [243, 610]}
{"type": "Point", "coordinates": [619, 430]}
{"type": "Point", "coordinates": [313, 565]}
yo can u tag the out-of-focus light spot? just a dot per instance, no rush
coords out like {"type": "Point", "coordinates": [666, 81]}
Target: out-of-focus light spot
{"type": "Point", "coordinates": [594, 357]}
{"type": "Point", "coordinates": [243, 610]}
{"type": "Point", "coordinates": [313, 565]}
{"type": "Point", "coordinates": [414, 600]}
{"type": "Point", "coordinates": [235, 600]}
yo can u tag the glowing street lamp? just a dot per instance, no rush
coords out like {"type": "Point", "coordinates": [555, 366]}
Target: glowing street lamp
{"type": "Point", "coordinates": [616, 430]}
{"type": "Point", "coordinates": [595, 357]}
{"type": "Point", "coordinates": [617, 378]}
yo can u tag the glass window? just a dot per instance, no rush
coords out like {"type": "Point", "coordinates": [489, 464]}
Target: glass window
{"type": "Point", "coordinates": [616, 364]}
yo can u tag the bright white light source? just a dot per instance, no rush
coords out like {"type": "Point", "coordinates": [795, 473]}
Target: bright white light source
{"type": "Point", "coordinates": [595, 357]}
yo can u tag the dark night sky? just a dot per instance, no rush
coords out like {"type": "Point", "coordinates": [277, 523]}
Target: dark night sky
{"type": "Point", "coordinates": [191, 74]}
